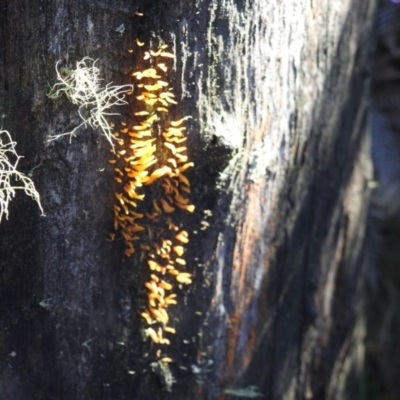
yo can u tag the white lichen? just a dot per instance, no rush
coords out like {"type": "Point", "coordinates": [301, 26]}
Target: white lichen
{"type": "Point", "coordinates": [84, 87]}
{"type": "Point", "coordinates": [11, 179]}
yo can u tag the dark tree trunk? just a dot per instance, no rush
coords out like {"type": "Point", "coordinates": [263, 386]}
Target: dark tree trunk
{"type": "Point", "coordinates": [278, 96]}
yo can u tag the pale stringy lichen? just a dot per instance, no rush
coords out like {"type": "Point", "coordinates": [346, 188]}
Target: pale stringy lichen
{"type": "Point", "coordinates": [10, 178]}
{"type": "Point", "coordinates": [84, 87]}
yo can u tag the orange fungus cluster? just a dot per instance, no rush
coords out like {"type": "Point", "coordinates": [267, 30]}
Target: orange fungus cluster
{"type": "Point", "coordinates": [150, 164]}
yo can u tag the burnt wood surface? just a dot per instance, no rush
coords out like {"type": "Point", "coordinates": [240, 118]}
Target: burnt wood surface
{"type": "Point", "coordinates": [278, 92]}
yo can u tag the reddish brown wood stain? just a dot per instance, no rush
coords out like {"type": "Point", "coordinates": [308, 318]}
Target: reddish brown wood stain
{"type": "Point", "coordinates": [244, 267]}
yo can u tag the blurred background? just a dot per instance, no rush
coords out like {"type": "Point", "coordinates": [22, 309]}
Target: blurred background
{"type": "Point", "coordinates": [382, 374]}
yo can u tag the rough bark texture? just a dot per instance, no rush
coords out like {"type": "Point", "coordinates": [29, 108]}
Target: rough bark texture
{"type": "Point", "coordinates": [278, 95]}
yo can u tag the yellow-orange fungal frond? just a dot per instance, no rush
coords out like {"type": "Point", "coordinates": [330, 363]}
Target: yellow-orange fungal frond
{"type": "Point", "coordinates": [155, 53]}
{"type": "Point", "coordinates": [167, 186]}
{"type": "Point", "coordinates": [151, 333]}
{"type": "Point", "coordinates": [166, 243]}
{"type": "Point", "coordinates": [147, 317]}
{"type": "Point", "coordinates": [186, 166]}
{"type": "Point", "coordinates": [164, 315]}
{"type": "Point", "coordinates": [135, 215]}
{"type": "Point", "coordinates": [156, 313]}
{"type": "Point", "coordinates": [152, 216]}
{"type": "Point", "coordinates": [128, 252]}
{"type": "Point", "coordinates": [182, 237]}
{"type": "Point", "coordinates": [145, 151]}
{"type": "Point", "coordinates": [166, 54]}
{"type": "Point", "coordinates": [189, 207]}
{"type": "Point", "coordinates": [149, 95]}
{"type": "Point", "coordinates": [180, 149]}
{"type": "Point", "coordinates": [171, 226]}
{"type": "Point", "coordinates": [152, 301]}
{"type": "Point", "coordinates": [180, 261]}
{"type": "Point", "coordinates": [141, 127]}
{"type": "Point", "coordinates": [137, 228]}
{"type": "Point", "coordinates": [152, 119]}
{"type": "Point", "coordinates": [152, 287]}
{"type": "Point", "coordinates": [151, 102]}
{"type": "Point", "coordinates": [163, 84]}
{"type": "Point", "coordinates": [126, 235]}
{"type": "Point", "coordinates": [170, 302]}
{"type": "Point", "coordinates": [179, 250]}
{"type": "Point", "coordinates": [162, 109]}
{"type": "Point", "coordinates": [167, 207]}
{"type": "Point", "coordinates": [181, 158]}
{"type": "Point", "coordinates": [179, 199]}
{"type": "Point", "coordinates": [166, 95]}
{"type": "Point", "coordinates": [173, 271]}
{"type": "Point", "coordinates": [153, 265]}
{"type": "Point", "coordinates": [165, 285]}
{"type": "Point", "coordinates": [168, 135]}
{"type": "Point", "coordinates": [126, 209]}
{"type": "Point", "coordinates": [170, 147]}
{"type": "Point", "coordinates": [183, 179]}
{"type": "Point", "coordinates": [177, 140]}
{"type": "Point", "coordinates": [132, 194]}
{"type": "Point", "coordinates": [184, 278]}
{"type": "Point", "coordinates": [153, 88]}
{"type": "Point", "coordinates": [173, 162]}
{"type": "Point", "coordinates": [125, 218]}
{"type": "Point", "coordinates": [141, 113]}
{"type": "Point", "coordinates": [150, 73]}
{"type": "Point", "coordinates": [158, 173]}
{"type": "Point", "coordinates": [179, 121]}
{"type": "Point", "coordinates": [157, 248]}
{"type": "Point", "coordinates": [156, 207]}
{"type": "Point", "coordinates": [139, 135]}
{"type": "Point", "coordinates": [141, 143]}
{"type": "Point", "coordinates": [165, 98]}
{"type": "Point", "coordinates": [175, 132]}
